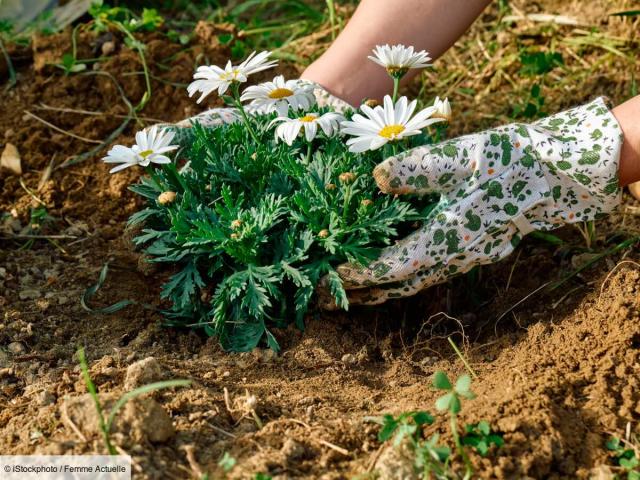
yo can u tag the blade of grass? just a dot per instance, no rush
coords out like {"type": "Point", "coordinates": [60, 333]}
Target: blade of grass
{"type": "Point", "coordinates": [628, 13]}
{"type": "Point", "coordinates": [621, 246]}
{"type": "Point", "coordinates": [152, 387]}
{"type": "Point", "coordinates": [94, 395]}
{"type": "Point", "coordinates": [464, 360]}
{"type": "Point", "coordinates": [12, 72]}
{"type": "Point", "coordinates": [91, 291]}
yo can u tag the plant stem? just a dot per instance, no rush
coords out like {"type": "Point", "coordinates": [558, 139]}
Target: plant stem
{"type": "Point", "coordinates": [154, 177]}
{"type": "Point", "coordinates": [309, 151]}
{"type": "Point", "coordinates": [240, 107]}
{"type": "Point", "coordinates": [147, 77]}
{"type": "Point", "coordinates": [12, 72]}
{"type": "Point", "coordinates": [332, 18]}
{"type": "Point", "coordinates": [396, 86]}
{"type": "Point", "coordinates": [464, 360]}
{"type": "Point", "coordinates": [591, 232]}
{"type": "Point", "coordinates": [171, 170]}
{"type": "Point", "coordinates": [345, 204]}
{"type": "Point", "coordinates": [459, 447]}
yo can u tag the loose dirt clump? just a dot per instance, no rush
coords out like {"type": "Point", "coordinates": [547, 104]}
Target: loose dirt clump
{"type": "Point", "coordinates": [558, 370]}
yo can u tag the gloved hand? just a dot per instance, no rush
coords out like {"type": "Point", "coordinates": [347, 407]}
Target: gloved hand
{"type": "Point", "coordinates": [496, 187]}
{"type": "Point", "coordinates": [222, 115]}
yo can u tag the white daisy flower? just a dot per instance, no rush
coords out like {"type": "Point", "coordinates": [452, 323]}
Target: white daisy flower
{"type": "Point", "coordinates": [290, 128]}
{"type": "Point", "coordinates": [151, 146]}
{"type": "Point", "coordinates": [398, 59]}
{"type": "Point", "coordinates": [279, 95]}
{"type": "Point", "coordinates": [386, 124]}
{"type": "Point", "coordinates": [256, 63]}
{"type": "Point", "coordinates": [211, 77]}
{"type": "Point", "coordinates": [443, 109]}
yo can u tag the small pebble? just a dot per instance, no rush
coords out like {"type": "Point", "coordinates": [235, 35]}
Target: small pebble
{"type": "Point", "coordinates": [16, 348]}
{"type": "Point", "coordinates": [29, 294]}
{"type": "Point", "coordinates": [348, 358]}
{"type": "Point", "coordinates": [108, 48]}
{"type": "Point", "coordinates": [45, 398]}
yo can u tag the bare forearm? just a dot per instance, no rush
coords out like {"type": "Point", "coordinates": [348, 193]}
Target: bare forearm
{"type": "Point", "coordinates": [431, 25]}
{"type": "Point", "coordinates": [628, 116]}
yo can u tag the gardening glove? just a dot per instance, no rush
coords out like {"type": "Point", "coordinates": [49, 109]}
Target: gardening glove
{"type": "Point", "coordinates": [220, 116]}
{"type": "Point", "coordinates": [495, 187]}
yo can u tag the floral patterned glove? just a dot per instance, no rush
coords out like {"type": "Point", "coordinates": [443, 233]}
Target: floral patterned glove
{"type": "Point", "coordinates": [496, 187]}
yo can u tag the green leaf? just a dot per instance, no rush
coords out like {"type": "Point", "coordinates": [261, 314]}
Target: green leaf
{"type": "Point", "coordinates": [629, 463]}
{"type": "Point", "coordinates": [183, 286]}
{"type": "Point", "coordinates": [423, 418]}
{"type": "Point", "coordinates": [227, 462]}
{"type": "Point", "coordinates": [463, 384]}
{"type": "Point", "coordinates": [613, 443]}
{"type": "Point", "coordinates": [441, 381]}
{"type": "Point", "coordinates": [445, 402]}
{"type": "Point", "coordinates": [484, 428]}
{"type": "Point", "coordinates": [388, 428]}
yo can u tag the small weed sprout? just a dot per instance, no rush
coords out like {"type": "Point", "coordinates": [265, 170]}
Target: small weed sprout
{"type": "Point", "coordinates": [432, 459]}
{"type": "Point", "coordinates": [451, 402]}
{"type": "Point", "coordinates": [227, 462]}
{"type": "Point", "coordinates": [626, 456]}
{"type": "Point", "coordinates": [406, 425]}
{"type": "Point", "coordinates": [480, 437]}
{"type": "Point", "coordinates": [124, 20]}
{"type": "Point", "coordinates": [70, 65]}
{"type": "Point", "coordinates": [106, 422]}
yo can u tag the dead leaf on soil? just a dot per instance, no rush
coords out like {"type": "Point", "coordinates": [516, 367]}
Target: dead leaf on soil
{"type": "Point", "coordinates": [10, 159]}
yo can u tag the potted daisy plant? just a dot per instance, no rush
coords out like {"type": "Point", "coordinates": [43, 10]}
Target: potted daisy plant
{"type": "Point", "coordinates": [253, 204]}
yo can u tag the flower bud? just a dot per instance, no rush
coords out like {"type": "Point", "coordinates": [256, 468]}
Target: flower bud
{"type": "Point", "coordinates": [443, 109]}
{"type": "Point", "coordinates": [371, 102]}
{"type": "Point", "coordinates": [330, 186]}
{"type": "Point", "coordinates": [324, 233]}
{"type": "Point", "coordinates": [347, 178]}
{"type": "Point", "coordinates": [236, 224]}
{"type": "Point", "coordinates": [366, 202]}
{"type": "Point", "coordinates": [234, 236]}
{"type": "Point", "coordinates": [166, 198]}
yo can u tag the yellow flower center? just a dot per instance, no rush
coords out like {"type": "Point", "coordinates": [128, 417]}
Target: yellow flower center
{"type": "Point", "coordinates": [391, 131]}
{"type": "Point", "coordinates": [145, 153]}
{"type": "Point", "coordinates": [308, 118]}
{"type": "Point", "coordinates": [397, 72]}
{"type": "Point", "coordinates": [280, 93]}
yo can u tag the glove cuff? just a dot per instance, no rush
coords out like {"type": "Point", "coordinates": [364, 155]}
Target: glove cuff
{"type": "Point", "coordinates": [326, 99]}
{"type": "Point", "coordinates": [580, 155]}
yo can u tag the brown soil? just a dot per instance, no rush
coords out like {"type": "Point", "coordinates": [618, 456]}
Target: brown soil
{"type": "Point", "coordinates": [557, 374]}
